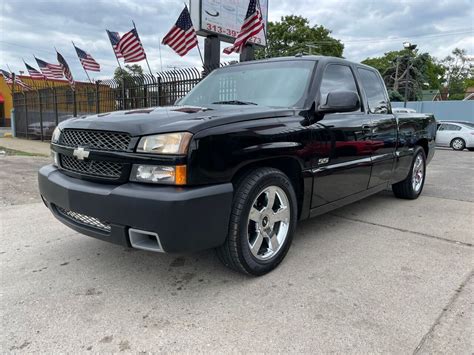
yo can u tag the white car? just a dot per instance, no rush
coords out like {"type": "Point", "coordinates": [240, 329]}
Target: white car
{"type": "Point", "coordinates": [403, 110]}
{"type": "Point", "coordinates": [455, 135]}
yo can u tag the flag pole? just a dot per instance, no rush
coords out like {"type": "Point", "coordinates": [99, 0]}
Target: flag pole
{"type": "Point", "coordinates": [146, 58]}
{"type": "Point", "coordinates": [118, 62]}
{"type": "Point", "coordinates": [85, 71]}
{"type": "Point", "coordinates": [13, 76]}
{"type": "Point", "coordinates": [200, 54]}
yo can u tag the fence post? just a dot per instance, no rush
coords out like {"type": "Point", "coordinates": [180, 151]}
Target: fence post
{"type": "Point", "coordinates": [55, 100]}
{"type": "Point", "coordinates": [97, 102]}
{"type": "Point", "coordinates": [74, 99]}
{"type": "Point", "coordinates": [159, 91]}
{"type": "Point", "coordinates": [26, 115]}
{"type": "Point", "coordinates": [12, 121]}
{"type": "Point", "coordinates": [124, 104]}
{"type": "Point", "coordinates": [41, 115]}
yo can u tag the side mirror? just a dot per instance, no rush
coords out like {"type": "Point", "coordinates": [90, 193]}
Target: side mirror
{"type": "Point", "coordinates": [340, 101]}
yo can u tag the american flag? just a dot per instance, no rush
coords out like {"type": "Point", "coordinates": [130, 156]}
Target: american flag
{"type": "Point", "coordinates": [34, 74]}
{"type": "Point", "coordinates": [50, 71]}
{"type": "Point", "coordinates": [66, 71]}
{"type": "Point", "coordinates": [114, 38]}
{"type": "Point", "coordinates": [253, 24]}
{"type": "Point", "coordinates": [131, 47]}
{"type": "Point", "coordinates": [182, 36]}
{"type": "Point", "coordinates": [8, 79]}
{"type": "Point", "coordinates": [88, 63]}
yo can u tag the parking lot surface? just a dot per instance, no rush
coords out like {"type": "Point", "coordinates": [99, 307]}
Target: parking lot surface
{"type": "Point", "coordinates": [380, 275]}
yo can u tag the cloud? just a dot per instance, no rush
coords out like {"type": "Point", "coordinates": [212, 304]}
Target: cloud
{"type": "Point", "coordinates": [367, 28]}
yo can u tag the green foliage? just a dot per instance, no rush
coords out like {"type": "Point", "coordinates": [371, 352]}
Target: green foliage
{"type": "Point", "coordinates": [395, 96]}
{"type": "Point", "coordinates": [421, 70]}
{"type": "Point", "coordinates": [459, 73]}
{"type": "Point", "coordinates": [128, 73]}
{"type": "Point", "coordinates": [293, 35]}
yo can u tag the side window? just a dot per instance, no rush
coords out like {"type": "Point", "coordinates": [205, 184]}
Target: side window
{"type": "Point", "coordinates": [337, 77]}
{"type": "Point", "coordinates": [452, 127]}
{"type": "Point", "coordinates": [442, 127]}
{"type": "Point", "coordinates": [375, 91]}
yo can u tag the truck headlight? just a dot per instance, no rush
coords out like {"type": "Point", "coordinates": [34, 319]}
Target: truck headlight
{"type": "Point", "coordinates": [168, 143]}
{"type": "Point", "coordinates": [159, 174]}
{"type": "Point", "coordinates": [56, 135]}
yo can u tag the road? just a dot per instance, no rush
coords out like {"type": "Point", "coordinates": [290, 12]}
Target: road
{"type": "Point", "coordinates": [380, 275]}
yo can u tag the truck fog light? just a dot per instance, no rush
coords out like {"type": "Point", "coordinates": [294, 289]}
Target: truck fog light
{"type": "Point", "coordinates": [159, 174]}
{"type": "Point", "coordinates": [55, 158]}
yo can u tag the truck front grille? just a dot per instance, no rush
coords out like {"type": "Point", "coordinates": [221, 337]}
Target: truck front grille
{"type": "Point", "coordinates": [100, 168]}
{"type": "Point", "coordinates": [84, 220]}
{"type": "Point", "coordinates": [98, 140]}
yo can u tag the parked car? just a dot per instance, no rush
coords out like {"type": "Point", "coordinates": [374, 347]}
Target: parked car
{"type": "Point", "coordinates": [250, 150]}
{"type": "Point", "coordinates": [455, 135]}
{"type": "Point", "coordinates": [403, 110]}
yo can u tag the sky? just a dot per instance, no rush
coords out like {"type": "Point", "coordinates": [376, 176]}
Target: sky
{"type": "Point", "coordinates": [367, 28]}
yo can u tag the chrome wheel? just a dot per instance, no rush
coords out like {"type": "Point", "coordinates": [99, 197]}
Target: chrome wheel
{"type": "Point", "coordinates": [418, 173]}
{"type": "Point", "coordinates": [458, 144]}
{"type": "Point", "coordinates": [268, 223]}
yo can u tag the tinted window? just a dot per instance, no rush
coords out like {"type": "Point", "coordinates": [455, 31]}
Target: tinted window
{"type": "Point", "coordinates": [375, 91]}
{"type": "Point", "coordinates": [337, 78]}
{"type": "Point", "coordinates": [452, 127]}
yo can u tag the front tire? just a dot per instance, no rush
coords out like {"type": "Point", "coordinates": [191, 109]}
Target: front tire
{"type": "Point", "coordinates": [262, 223]}
{"type": "Point", "coordinates": [458, 144]}
{"type": "Point", "coordinates": [411, 187]}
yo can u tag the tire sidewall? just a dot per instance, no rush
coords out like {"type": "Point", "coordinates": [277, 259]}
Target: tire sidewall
{"type": "Point", "coordinates": [250, 262]}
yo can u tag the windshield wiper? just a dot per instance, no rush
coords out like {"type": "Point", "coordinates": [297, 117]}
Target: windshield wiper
{"type": "Point", "coordinates": [234, 102]}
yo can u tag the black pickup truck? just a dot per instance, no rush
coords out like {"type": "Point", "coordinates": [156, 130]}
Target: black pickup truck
{"type": "Point", "coordinates": [248, 152]}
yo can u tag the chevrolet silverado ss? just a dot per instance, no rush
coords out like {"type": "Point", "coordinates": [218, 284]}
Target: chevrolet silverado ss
{"type": "Point", "coordinates": [248, 152]}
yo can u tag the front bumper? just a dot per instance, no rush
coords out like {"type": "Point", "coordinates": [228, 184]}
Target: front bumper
{"type": "Point", "coordinates": [184, 218]}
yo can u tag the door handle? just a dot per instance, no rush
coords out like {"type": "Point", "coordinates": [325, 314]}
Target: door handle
{"type": "Point", "coordinates": [367, 128]}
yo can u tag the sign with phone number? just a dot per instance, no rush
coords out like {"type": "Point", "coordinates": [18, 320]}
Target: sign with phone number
{"type": "Point", "coordinates": [225, 18]}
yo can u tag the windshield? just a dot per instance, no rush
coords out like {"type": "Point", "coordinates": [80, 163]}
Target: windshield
{"type": "Point", "coordinates": [276, 84]}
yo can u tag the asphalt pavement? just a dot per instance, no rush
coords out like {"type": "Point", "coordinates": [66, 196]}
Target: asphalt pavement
{"type": "Point", "coordinates": [380, 275]}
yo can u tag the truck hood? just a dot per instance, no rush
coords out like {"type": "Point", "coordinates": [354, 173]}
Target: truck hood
{"type": "Point", "coordinates": [173, 118]}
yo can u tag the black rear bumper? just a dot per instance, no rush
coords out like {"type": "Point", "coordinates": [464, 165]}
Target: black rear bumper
{"type": "Point", "coordinates": [185, 218]}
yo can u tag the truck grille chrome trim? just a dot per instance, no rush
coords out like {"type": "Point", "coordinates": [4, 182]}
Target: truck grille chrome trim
{"type": "Point", "coordinates": [84, 220]}
{"type": "Point", "coordinates": [98, 140]}
{"type": "Point", "coordinates": [101, 168]}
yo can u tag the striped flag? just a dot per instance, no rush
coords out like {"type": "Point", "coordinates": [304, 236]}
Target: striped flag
{"type": "Point", "coordinates": [34, 74]}
{"type": "Point", "coordinates": [8, 79]}
{"type": "Point", "coordinates": [88, 63]}
{"type": "Point", "coordinates": [131, 48]}
{"type": "Point", "coordinates": [253, 24]}
{"type": "Point", "coordinates": [182, 36]}
{"type": "Point", "coordinates": [66, 71]}
{"type": "Point", "coordinates": [50, 71]}
{"type": "Point", "coordinates": [114, 38]}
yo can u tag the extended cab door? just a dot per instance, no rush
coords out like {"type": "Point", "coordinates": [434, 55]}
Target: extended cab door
{"type": "Point", "coordinates": [383, 135]}
{"type": "Point", "coordinates": [341, 142]}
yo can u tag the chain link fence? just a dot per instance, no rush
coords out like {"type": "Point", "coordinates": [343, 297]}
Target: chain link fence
{"type": "Point", "coordinates": [38, 111]}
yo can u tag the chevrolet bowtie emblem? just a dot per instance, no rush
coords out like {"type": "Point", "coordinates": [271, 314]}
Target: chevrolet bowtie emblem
{"type": "Point", "coordinates": [80, 153]}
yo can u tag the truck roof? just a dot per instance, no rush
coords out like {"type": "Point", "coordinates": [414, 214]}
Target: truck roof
{"type": "Point", "coordinates": [315, 58]}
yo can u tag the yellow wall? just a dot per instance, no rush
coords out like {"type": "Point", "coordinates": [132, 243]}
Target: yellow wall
{"type": "Point", "coordinates": [7, 96]}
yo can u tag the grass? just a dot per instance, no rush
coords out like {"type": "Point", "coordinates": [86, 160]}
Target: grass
{"type": "Point", "coordinates": [18, 153]}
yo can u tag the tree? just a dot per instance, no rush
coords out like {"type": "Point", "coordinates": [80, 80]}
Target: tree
{"type": "Point", "coordinates": [293, 35]}
{"type": "Point", "coordinates": [458, 71]}
{"type": "Point", "coordinates": [422, 71]}
{"type": "Point", "coordinates": [128, 73]}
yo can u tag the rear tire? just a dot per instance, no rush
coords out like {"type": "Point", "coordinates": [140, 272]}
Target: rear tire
{"type": "Point", "coordinates": [458, 144]}
{"type": "Point", "coordinates": [262, 223]}
{"type": "Point", "coordinates": [411, 187]}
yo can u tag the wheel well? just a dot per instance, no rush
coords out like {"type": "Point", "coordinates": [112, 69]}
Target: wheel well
{"type": "Point", "coordinates": [289, 166]}
{"type": "Point", "coordinates": [424, 144]}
